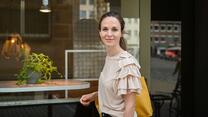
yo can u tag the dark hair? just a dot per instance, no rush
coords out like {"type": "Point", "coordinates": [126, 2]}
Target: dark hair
{"type": "Point", "coordinates": [122, 42]}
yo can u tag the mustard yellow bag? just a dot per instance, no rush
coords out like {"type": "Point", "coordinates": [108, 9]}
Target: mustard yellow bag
{"type": "Point", "coordinates": [143, 101]}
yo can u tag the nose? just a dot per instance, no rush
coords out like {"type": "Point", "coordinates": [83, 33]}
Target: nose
{"type": "Point", "coordinates": [109, 33]}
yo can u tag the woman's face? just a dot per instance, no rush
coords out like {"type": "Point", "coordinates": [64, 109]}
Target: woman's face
{"type": "Point", "coordinates": [110, 32]}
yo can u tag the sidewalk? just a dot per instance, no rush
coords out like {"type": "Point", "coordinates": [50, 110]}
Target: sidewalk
{"type": "Point", "coordinates": [162, 85]}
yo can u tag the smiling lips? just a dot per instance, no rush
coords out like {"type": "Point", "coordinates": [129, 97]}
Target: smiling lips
{"type": "Point", "coordinates": [109, 40]}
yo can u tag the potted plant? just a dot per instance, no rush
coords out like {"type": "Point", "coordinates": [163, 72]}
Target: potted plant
{"type": "Point", "coordinates": [37, 68]}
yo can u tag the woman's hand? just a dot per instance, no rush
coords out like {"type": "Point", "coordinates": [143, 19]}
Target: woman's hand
{"type": "Point", "coordinates": [86, 99]}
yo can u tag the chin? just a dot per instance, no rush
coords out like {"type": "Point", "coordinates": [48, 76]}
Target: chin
{"type": "Point", "coordinates": [109, 44]}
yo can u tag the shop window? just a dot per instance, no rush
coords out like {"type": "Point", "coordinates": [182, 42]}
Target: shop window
{"type": "Point", "coordinates": [156, 27]}
{"type": "Point", "coordinates": [24, 17]}
{"type": "Point", "coordinates": [83, 2]}
{"type": "Point", "coordinates": [92, 14]}
{"type": "Point", "coordinates": [83, 14]}
{"type": "Point", "coordinates": [91, 2]}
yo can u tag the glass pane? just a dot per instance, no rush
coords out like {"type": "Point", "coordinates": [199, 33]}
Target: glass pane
{"type": "Point", "coordinates": [132, 35]}
{"type": "Point", "coordinates": [165, 51]}
{"type": "Point", "coordinates": [71, 24]}
{"type": "Point", "coordinates": [9, 16]}
{"type": "Point", "coordinates": [166, 64]}
{"type": "Point", "coordinates": [36, 22]}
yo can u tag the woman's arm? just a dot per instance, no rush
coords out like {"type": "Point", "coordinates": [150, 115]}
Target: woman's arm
{"type": "Point", "coordinates": [86, 99]}
{"type": "Point", "coordinates": [130, 103]}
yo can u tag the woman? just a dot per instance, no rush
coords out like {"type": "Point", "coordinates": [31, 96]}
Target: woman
{"type": "Point", "coordinates": [119, 80]}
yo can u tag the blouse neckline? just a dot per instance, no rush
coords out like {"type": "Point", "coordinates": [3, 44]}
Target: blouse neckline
{"type": "Point", "coordinates": [115, 56]}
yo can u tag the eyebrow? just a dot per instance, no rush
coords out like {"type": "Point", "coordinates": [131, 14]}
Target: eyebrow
{"type": "Point", "coordinates": [111, 27]}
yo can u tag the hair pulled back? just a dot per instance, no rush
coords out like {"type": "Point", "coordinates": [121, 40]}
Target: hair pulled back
{"type": "Point", "coordinates": [116, 15]}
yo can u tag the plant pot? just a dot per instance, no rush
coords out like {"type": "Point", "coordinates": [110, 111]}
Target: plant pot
{"type": "Point", "coordinates": [33, 77]}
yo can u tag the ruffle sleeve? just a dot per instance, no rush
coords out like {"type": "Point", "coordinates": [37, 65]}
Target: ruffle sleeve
{"type": "Point", "coordinates": [128, 75]}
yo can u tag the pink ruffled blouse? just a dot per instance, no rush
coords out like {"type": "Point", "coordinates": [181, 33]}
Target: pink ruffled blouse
{"type": "Point", "coordinates": [119, 76]}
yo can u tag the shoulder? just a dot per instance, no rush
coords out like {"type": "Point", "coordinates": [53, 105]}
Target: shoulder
{"type": "Point", "coordinates": [126, 58]}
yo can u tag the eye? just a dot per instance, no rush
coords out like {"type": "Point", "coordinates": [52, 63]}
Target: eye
{"type": "Point", "coordinates": [104, 29]}
{"type": "Point", "coordinates": [114, 29]}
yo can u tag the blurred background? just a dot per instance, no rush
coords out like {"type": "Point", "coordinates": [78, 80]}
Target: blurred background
{"type": "Point", "coordinates": [54, 26]}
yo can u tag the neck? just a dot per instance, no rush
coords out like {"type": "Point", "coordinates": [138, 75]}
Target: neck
{"type": "Point", "coordinates": [113, 51]}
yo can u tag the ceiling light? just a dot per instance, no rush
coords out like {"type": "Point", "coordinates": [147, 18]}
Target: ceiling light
{"type": "Point", "coordinates": [45, 7]}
